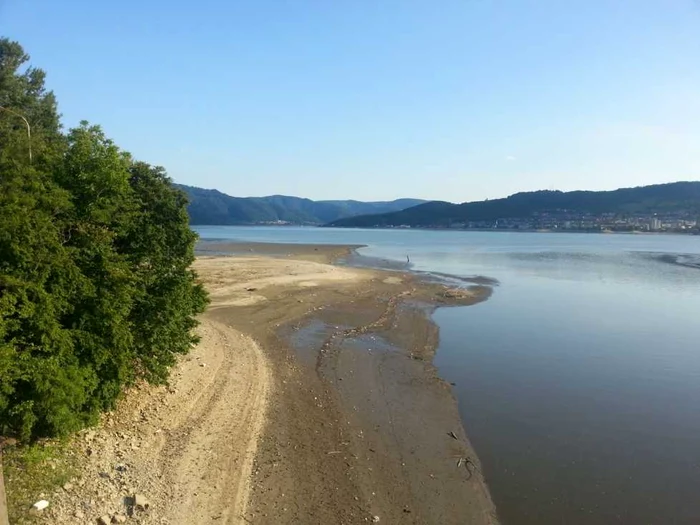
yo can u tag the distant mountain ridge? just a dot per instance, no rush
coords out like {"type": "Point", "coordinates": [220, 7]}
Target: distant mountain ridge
{"type": "Point", "coordinates": [216, 208]}
{"type": "Point", "coordinates": [547, 209]}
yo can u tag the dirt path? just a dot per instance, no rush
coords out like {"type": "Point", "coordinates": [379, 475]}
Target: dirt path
{"type": "Point", "coordinates": [188, 448]}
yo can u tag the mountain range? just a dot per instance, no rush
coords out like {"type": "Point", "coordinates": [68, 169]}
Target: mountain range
{"type": "Point", "coordinates": [534, 209]}
{"type": "Point", "coordinates": [213, 207]}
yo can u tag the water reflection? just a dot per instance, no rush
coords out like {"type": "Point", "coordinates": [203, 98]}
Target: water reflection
{"type": "Point", "coordinates": [579, 383]}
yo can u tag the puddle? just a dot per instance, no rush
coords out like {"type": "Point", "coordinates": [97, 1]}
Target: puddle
{"type": "Point", "coordinates": [369, 343]}
{"type": "Point", "coordinates": [308, 338]}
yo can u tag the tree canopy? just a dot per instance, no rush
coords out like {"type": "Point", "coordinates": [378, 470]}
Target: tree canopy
{"type": "Point", "coordinates": [96, 290]}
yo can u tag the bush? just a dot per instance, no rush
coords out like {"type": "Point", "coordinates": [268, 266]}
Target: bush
{"type": "Point", "coordinates": [96, 290]}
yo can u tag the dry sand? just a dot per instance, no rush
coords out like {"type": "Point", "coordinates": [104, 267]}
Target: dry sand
{"type": "Point", "coordinates": [263, 424]}
{"type": "Point", "coordinates": [188, 447]}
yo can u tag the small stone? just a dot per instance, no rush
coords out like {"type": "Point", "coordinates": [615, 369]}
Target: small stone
{"type": "Point", "coordinates": [375, 519]}
{"type": "Point", "coordinates": [67, 486]}
{"type": "Point", "coordinates": [104, 520]}
{"type": "Point", "coordinates": [79, 514]}
{"type": "Point", "coordinates": [119, 518]}
{"type": "Point", "coordinates": [40, 505]}
{"type": "Point", "coordinates": [140, 502]}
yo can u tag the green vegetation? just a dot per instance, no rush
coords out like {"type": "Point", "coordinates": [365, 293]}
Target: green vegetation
{"type": "Point", "coordinates": [214, 207]}
{"type": "Point", "coordinates": [36, 469]}
{"type": "Point", "coordinates": [677, 201]}
{"type": "Point", "coordinates": [95, 249]}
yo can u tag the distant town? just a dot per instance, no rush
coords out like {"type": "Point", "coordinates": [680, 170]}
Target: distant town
{"type": "Point", "coordinates": [607, 222]}
{"type": "Point", "coordinates": [677, 222]}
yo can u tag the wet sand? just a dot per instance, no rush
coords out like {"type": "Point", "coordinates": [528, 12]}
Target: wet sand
{"type": "Point", "coordinates": [359, 426]}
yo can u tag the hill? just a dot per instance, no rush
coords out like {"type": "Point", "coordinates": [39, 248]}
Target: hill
{"type": "Point", "coordinates": [214, 207]}
{"type": "Point", "coordinates": [626, 208]}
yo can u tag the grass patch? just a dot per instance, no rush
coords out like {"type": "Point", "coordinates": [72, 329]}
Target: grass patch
{"type": "Point", "coordinates": [33, 470]}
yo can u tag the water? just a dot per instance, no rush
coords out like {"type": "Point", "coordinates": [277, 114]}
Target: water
{"type": "Point", "coordinates": [579, 380]}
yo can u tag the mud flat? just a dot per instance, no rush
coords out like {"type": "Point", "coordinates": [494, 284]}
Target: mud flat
{"type": "Point", "coordinates": [359, 425]}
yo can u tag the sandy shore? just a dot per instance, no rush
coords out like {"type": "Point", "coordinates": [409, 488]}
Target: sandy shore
{"type": "Point", "coordinates": [311, 399]}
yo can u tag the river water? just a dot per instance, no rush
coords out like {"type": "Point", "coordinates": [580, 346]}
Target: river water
{"type": "Point", "coordinates": [579, 380]}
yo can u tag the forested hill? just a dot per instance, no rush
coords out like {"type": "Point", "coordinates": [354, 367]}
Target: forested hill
{"type": "Point", "coordinates": [214, 207]}
{"type": "Point", "coordinates": [678, 200]}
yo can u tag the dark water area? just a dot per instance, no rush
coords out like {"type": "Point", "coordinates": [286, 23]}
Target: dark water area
{"type": "Point", "coordinates": [578, 381]}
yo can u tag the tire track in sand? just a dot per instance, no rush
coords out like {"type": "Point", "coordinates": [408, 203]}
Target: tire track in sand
{"type": "Point", "coordinates": [189, 447]}
{"type": "Point", "coordinates": [207, 457]}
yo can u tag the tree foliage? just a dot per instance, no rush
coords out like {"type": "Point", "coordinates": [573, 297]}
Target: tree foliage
{"type": "Point", "coordinates": [96, 289]}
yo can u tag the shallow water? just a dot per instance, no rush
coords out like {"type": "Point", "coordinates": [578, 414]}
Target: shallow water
{"type": "Point", "coordinates": [579, 380]}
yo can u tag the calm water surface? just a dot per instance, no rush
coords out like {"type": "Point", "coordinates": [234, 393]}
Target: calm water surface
{"type": "Point", "coordinates": [579, 380]}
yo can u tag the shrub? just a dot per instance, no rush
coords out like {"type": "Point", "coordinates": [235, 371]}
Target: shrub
{"type": "Point", "coordinates": [96, 289]}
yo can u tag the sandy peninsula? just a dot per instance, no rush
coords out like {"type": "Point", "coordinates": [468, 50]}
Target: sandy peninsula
{"type": "Point", "coordinates": [311, 399]}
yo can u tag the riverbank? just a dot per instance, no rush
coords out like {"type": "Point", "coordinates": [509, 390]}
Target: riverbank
{"type": "Point", "coordinates": [312, 398]}
{"type": "Point", "coordinates": [359, 423]}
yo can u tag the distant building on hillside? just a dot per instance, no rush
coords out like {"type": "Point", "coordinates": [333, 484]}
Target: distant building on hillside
{"type": "Point", "coordinates": [654, 224]}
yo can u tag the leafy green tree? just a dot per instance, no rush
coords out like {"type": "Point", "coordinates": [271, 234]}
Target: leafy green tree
{"type": "Point", "coordinates": [22, 92]}
{"type": "Point", "coordinates": [37, 273]}
{"type": "Point", "coordinates": [96, 289]}
{"type": "Point", "coordinates": [160, 245]}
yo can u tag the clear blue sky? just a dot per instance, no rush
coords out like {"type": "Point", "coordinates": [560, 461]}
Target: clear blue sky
{"type": "Point", "coordinates": [376, 99]}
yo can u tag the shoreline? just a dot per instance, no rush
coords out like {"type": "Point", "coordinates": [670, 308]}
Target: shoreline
{"type": "Point", "coordinates": [311, 398]}
{"type": "Point", "coordinates": [445, 228]}
{"type": "Point", "coordinates": [356, 399]}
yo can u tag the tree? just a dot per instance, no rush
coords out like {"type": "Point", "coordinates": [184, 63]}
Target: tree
{"type": "Point", "coordinates": [160, 245]}
{"type": "Point", "coordinates": [22, 91]}
{"type": "Point", "coordinates": [33, 261]}
{"type": "Point", "coordinates": [95, 286]}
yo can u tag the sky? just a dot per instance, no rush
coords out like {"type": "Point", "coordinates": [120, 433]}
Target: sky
{"type": "Point", "coordinates": [455, 100]}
